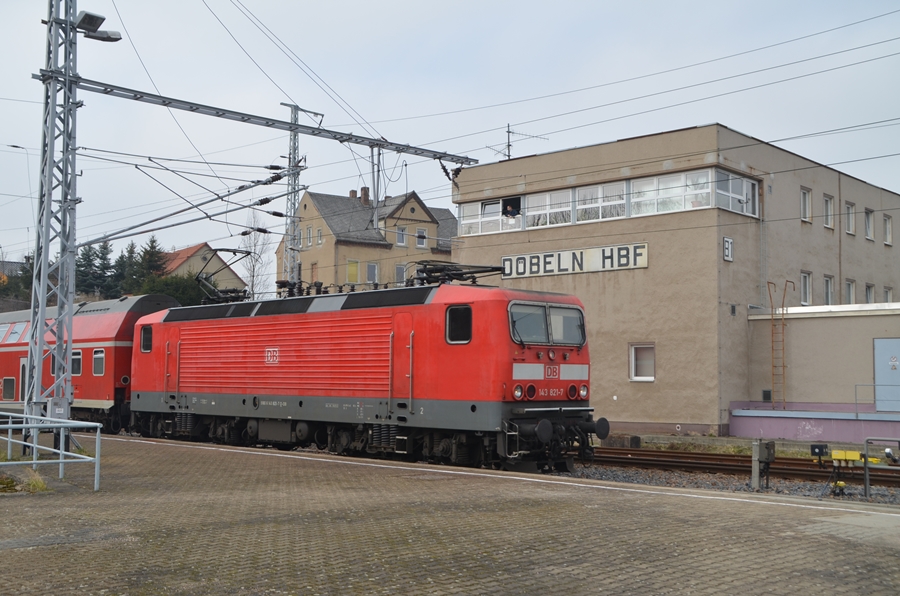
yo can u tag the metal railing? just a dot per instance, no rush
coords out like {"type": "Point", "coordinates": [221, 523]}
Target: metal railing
{"type": "Point", "coordinates": [874, 398]}
{"type": "Point", "coordinates": [31, 428]}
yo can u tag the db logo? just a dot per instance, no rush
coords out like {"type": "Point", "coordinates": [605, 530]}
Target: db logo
{"type": "Point", "coordinates": [551, 372]}
{"type": "Point", "coordinates": [271, 355]}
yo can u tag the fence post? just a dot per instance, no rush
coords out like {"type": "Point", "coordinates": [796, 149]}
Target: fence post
{"type": "Point", "coordinates": [97, 462]}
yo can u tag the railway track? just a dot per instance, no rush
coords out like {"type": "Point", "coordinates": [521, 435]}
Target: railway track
{"type": "Point", "coordinates": [722, 463]}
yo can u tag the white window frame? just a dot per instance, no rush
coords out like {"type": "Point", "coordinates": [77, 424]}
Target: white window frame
{"type": "Point", "coordinates": [870, 293]}
{"type": "Point", "coordinates": [850, 218]}
{"type": "Point", "coordinates": [309, 236]}
{"type": "Point", "coordinates": [401, 235]}
{"type": "Point", "coordinates": [76, 370]}
{"type": "Point", "coordinates": [828, 290]}
{"type": "Point", "coordinates": [805, 288]}
{"type": "Point", "coordinates": [736, 193]}
{"type": "Point", "coordinates": [888, 294]}
{"type": "Point", "coordinates": [400, 274]}
{"type": "Point", "coordinates": [318, 235]}
{"type": "Point", "coordinates": [849, 291]}
{"type": "Point", "coordinates": [828, 211]}
{"type": "Point", "coordinates": [806, 205]}
{"type": "Point", "coordinates": [869, 220]}
{"type": "Point", "coordinates": [888, 230]}
{"type": "Point", "coordinates": [421, 238]}
{"type": "Point", "coordinates": [102, 360]}
{"type": "Point", "coordinates": [372, 279]}
{"type": "Point", "coordinates": [632, 362]}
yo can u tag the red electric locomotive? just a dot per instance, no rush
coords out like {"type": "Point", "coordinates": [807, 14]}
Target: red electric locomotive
{"type": "Point", "coordinates": [464, 374]}
{"type": "Point", "coordinates": [102, 336]}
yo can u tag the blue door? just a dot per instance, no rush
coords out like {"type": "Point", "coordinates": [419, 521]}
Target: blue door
{"type": "Point", "coordinates": [887, 375]}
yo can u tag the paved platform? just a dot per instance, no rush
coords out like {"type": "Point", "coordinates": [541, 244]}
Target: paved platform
{"type": "Point", "coordinates": [180, 518]}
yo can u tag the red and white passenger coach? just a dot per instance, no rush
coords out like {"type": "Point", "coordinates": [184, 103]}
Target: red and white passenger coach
{"type": "Point", "coordinates": [463, 374]}
{"type": "Point", "coordinates": [102, 338]}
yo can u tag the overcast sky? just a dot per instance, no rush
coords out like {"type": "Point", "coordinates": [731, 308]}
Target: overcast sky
{"type": "Point", "coordinates": [448, 77]}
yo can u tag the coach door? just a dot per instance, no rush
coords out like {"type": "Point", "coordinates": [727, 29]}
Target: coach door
{"type": "Point", "coordinates": [23, 378]}
{"type": "Point", "coordinates": [173, 346]}
{"type": "Point", "coordinates": [402, 357]}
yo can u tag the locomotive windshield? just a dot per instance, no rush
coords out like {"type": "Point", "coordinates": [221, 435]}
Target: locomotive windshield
{"type": "Point", "coordinates": [545, 324]}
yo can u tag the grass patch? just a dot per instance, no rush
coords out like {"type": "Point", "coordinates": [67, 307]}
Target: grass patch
{"type": "Point", "coordinates": [725, 449]}
{"type": "Point", "coordinates": [7, 484]}
{"type": "Point", "coordinates": [33, 482]}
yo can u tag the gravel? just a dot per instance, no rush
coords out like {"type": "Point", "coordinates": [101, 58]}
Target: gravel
{"type": "Point", "coordinates": [735, 484]}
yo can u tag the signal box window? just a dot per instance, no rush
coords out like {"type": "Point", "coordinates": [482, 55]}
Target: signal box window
{"type": "Point", "coordinates": [146, 338]}
{"type": "Point", "coordinates": [459, 324]}
{"type": "Point", "coordinates": [9, 389]}
{"type": "Point", "coordinates": [642, 362]}
{"type": "Point", "coordinates": [99, 362]}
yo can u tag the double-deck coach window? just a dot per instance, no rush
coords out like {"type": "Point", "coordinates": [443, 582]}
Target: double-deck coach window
{"type": "Point", "coordinates": [459, 324]}
{"type": "Point", "coordinates": [99, 362]}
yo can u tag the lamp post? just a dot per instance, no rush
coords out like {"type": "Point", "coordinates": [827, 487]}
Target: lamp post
{"type": "Point", "coordinates": [55, 280]}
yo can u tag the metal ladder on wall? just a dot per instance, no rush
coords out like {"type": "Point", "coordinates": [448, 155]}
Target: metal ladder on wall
{"type": "Point", "coordinates": [779, 357]}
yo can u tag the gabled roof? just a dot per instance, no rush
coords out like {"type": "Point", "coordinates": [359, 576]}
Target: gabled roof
{"type": "Point", "coordinates": [348, 219]}
{"type": "Point", "coordinates": [177, 259]}
{"type": "Point", "coordinates": [448, 228]}
{"type": "Point", "coordinates": [395, 206]}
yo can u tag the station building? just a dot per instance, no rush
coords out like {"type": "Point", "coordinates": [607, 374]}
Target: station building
{"type": "Point", "coordinates": [728, 284]}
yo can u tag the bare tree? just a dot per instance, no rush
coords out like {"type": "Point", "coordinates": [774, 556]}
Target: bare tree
{"type": "Point", "coordinates": [258, 264]}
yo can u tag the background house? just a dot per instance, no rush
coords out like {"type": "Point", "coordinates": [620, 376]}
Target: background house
{"type": "Point", "coordinates": [340, 245]}
{"type": "Point", "coordinates": [201, 257]}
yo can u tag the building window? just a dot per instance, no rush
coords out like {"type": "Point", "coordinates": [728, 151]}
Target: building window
{"type": "Point", "coordinates": [309, 236]}
{"type": "Point", "coordinates": [642, 359]}
{"type": "Point", "coordinates": [805, 298]}
{"type": "Point", "coordinates": [870, 293]}
{"type": "Point", "coordinates": [888, 294]}
{"type": "Point", "coordinates": [828, 212]}
{"type": "Point", "coordinates": [459, 324]}
{"type": "Point", "coordinates": [870, 224]}
{"type": "Point", "coordinates": [421, 238]}
{"type": "Point", "coordinates": [401, 235]}
{"type": "Point", "coordinates": [600, 202]}
{"type": "Point", "coordinates": [99, 367]}
{"type": "Point", "coordinates": [888, 230]}
{"type": "Point", "coordinates": [850, 218]}
{"type": "Point", "coordinates": [548, 209]}
{"type": "Point", "coordinates": [372, 273]}
{"type": "Point", "coordinates": [400, 274]}
{"type": "Point", "coordinates": [806, 205]}
{"type": "Point", "coordinates": [318, 235]}
{"type": "Point", "coordinates": [735, 193]}
{"type": "Point", "coordinates": [76, 363]}
{"type": "Point", "coordinates": [352, 272]}
{"type": "Point", "coordinates": [829, 290]}
{"type": "Point", "coordinates": [849, 291]}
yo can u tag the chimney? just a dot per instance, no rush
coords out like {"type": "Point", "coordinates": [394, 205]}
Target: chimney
{"type": "Point", "coordinates": [352, 194]}
{"type": "Point", "coordinates": [364, 195]}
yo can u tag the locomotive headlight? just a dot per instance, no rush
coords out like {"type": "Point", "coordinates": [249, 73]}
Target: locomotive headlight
{"type": "Point", "coordinates": [551, 354]}
{"type": "Point", "coordinates": [583, 393]}
{"type": "Point", "coordinates": [518, 392]}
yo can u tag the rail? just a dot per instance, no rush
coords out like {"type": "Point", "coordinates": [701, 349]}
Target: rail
{"type": "Point", "coordinates": [874, 400]}
{"type": "Point", "coordinates": [31, 428]}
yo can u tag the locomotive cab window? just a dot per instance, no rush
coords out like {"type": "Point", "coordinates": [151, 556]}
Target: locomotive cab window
{"type": "Point", "coordinates": [146, 338]}
{"type": "Point", "coordinates": [9, 389]}
{"type": "Point", "coordinates": [545, 324]}
{"type": "Point", "coordinates": [459, 324]}
{"type": "Point", "coordinates": [567, 326]}
{"type": "Point", "coordinates": [99, 362]}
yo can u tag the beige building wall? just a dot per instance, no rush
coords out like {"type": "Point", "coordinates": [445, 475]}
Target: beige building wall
{"type": "Point", "coordinates": [226, 278]}
{"type": "Point", "coordinates": [690, 302]}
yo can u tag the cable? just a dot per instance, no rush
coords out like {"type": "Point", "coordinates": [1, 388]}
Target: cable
{"type": "Point", "coordinates": [639, 77]}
